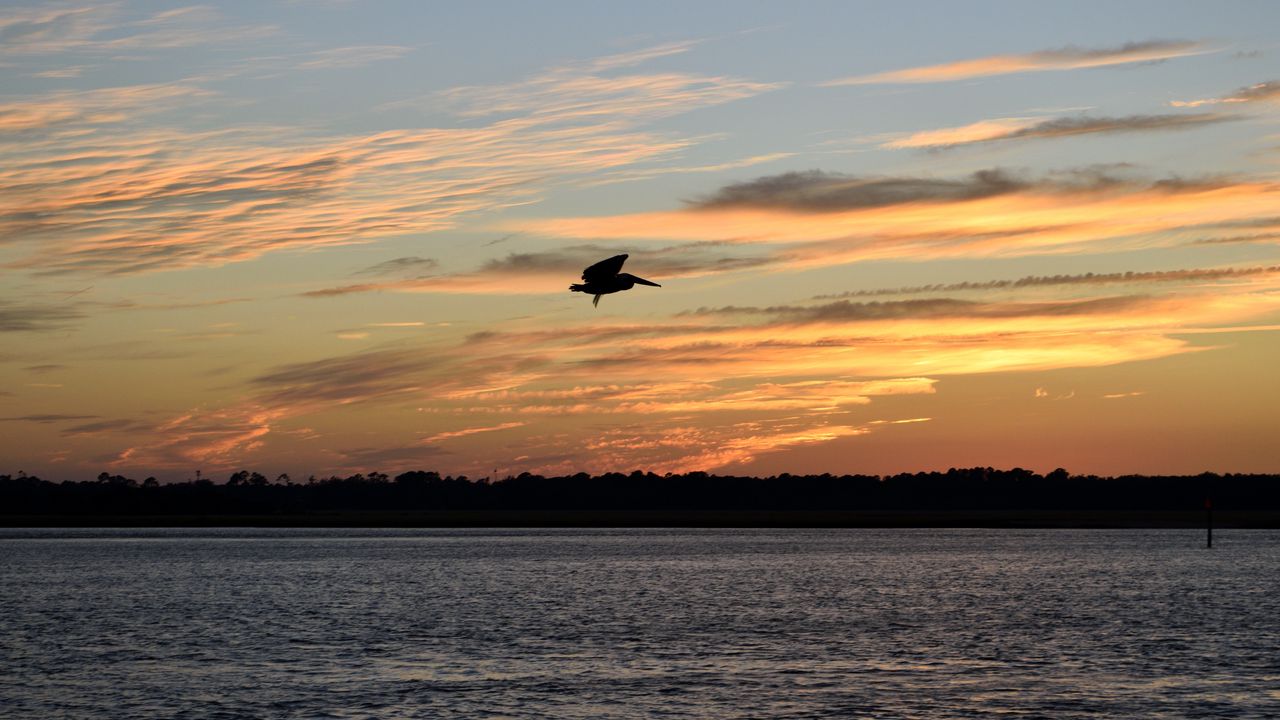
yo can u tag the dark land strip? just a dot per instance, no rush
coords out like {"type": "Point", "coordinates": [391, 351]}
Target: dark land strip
{"type": "Point", "coordinates": [970, 497]}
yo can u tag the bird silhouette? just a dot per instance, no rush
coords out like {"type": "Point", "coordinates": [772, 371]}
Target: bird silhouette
{"type": "Point", "coordinates": [605, 277]}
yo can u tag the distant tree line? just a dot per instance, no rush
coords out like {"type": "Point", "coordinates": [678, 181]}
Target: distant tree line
{"type": "Point", "coordinates": [972, 489]}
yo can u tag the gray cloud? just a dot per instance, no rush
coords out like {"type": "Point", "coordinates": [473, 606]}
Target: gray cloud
{"type": "Point", "coordinates": [16, 317]}
{"type": "Point", "coordinates": [47, 418]}
{"type": "Point", "coordinates": [1229, 239]}
{"type": "Point", "coordinates": [398, 458]}
{"type": "Point", "coordinates": [1138, 51]}
{"type": "Point", "coordinates": [381, 373]}
{"type": "Point", "coordinates": [1260, 92]}
{"type": "Point", "coordinates": [846, 311]}
{"type": "Point", "coordinates": [400, 266]}
{"type": "Point", "coordinates": [821, 191]}
{"type": "Point", "coordinates": [674, 260]}
{"type": "Point", "coordinates": [1269, 90]}
{"type": "Point", "coordinates": [101, 426]}
{"type": "Point", "coordinates": [1068, 127]}
{"type": "Point", "coordinates": [348, 377]}
{"type": "Point", "coordinates": [683, 260]}
{"type": "Point", "coordinates": [1053, 280]}
{"type": "Point", "coordinates": [346, 290]}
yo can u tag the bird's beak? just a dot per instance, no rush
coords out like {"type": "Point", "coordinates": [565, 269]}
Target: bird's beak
{"type": "Point", "coordinates": [642, 281]}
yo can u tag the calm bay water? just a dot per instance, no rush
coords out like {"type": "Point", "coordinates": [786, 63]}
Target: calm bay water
{"type": "Point", "coordinates": [638, 623]}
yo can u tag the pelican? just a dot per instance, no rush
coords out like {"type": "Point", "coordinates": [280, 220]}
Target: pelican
{"type": "Point", "coordinates": [603, 278]}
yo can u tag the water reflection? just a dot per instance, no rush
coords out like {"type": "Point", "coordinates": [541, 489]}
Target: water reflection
{"type": "Point", "coordinates": [636, 623]}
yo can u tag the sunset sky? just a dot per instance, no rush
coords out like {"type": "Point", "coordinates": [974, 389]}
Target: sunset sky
{"type": "Point", "coordinates": [325, 237]}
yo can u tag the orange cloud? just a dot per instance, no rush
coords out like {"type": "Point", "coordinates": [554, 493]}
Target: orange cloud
{"type": "Point", "coordinates": [1261, 92]}
{"type": "Point", "coordinates": [1196, 275]}
{"type": "Point", "coordinates": [999, 218]}
{"type": "Point", "coordinates": [449, 435]}
{"type": "Point", "coordinates": [1005, 129]}
{"type": "Point", "coordinates": [973, 132]}
{"type": "Point", "coordinates": [712, 389]}
{"type": "Point", "coordinates": [124, 199]}
{"type": "Point", "coordinates": [204, 438]}
{"type": "Point", "coordinates": [1069, 58]}
{"type": "Point", "coordinates": [685, 448]}
{"type": "Point", "coordinates": [552, 271]}
{"type": "Point", "coordinates": [94, 107]}
{"type": "Point", "coordinates": [98, 29]}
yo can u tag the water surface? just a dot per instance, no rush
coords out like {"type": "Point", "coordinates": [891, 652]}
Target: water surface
{"type": "Point", "coordinates": [228, 623]}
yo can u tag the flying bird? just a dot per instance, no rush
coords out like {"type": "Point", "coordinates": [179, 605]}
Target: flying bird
{"type": "Point", "coordinates": [604, 278]}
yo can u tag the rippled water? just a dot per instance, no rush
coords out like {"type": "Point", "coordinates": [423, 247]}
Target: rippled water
{"type": "Point", "coordinates": [638, 623]}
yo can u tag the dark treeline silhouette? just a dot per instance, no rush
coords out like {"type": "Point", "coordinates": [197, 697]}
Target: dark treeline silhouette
{"type": "Point", "coordinates": [974, 490]}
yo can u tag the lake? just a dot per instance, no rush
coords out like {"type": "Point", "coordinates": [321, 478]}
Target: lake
{"type": "Point", "coordinates": [232, 623]}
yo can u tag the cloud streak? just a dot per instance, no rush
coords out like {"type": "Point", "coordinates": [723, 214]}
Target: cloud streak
{"type": "Point", "coordinates": [818, 219]}
{"type": "Point", "coordinates": [124, 201]}
{"type": "Point", "coordinates": [1261, 92]}
{"type": "Point", "coordinates": [352, 56]}
{"type": "Point", "coordinates": [1067, 58]}
{"type": "Point", "coordinates": [1033, 281]}
{"type": "Point", "coordinates": [712, 388]}
{"type": "Point", "coordinates": [992, 131]}
{"type": "Point", "coordinates": [46, 418]}
{"type": "Point", "coordinates": [101, 29]}
{"type": "Point", "coordinates": [550, 271]}
{"type": "Point", "coordinates": [819, 191]}
{"type": "Point", "coordinates": [412, 265]}
{"type": "Point", "coordinates": [28, 317]}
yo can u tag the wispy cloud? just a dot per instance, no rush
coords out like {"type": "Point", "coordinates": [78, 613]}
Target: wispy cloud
{"type": "Point", "coordinates": [579, 93]}
{"type": "Point", "coordinates": [124, 200]}
{"type": "Point", "coordinates": [816, 190]}
{"type": "Point", "coordinates": [551, 271]}
{"type": "Point", "coordinates": [635, 57]}
{"type": "Point", "coordinates": [1232, 239]}
{"type": "Point", "coordinates": [209, 438]}
{"type": "Point", "coordinates": [104, 28]}
{"type": "Point", "coordinates": [92, 108]}
{"type": "Point", "coordinates": [352, 56]}
{"type": "Point", "coordinates": [1005, 129]}
{"type": "Point", "coordinates": [1032, 281]}
{"type": "Point", "coordinates": [28, 317]}
{"type": "Point", "coordinates": [689, 447]}
{"type": "Point", "coordinates": [451, 434]}
{"type": "Point", "coordinates": [711, 388]}
{"type": "Point", "coordinates": [1261, 92]}
{"type": "Point", "coordinates": [414, 456]}
{"type": "Point", "coordinates": [846, 311]}
{"type": "Point", "coordinates": [33, 30]}
{"type": "Point", "coordinates": [662, 171]}
{"type": "Point", "coordinates": [411, 265]}
{"type": "Point", "coordinates": [101, 427]}
{"type": "Point", "coordinates": [1117, 396]}
{"type": "Point", "coordinates": [1067, 58]}
{"type": "Point", "coordinates": [70, 71]}
{"type": "Point", "coordinates": [818, 219]}
{"type": "Point", "coordinates": [46, 418]}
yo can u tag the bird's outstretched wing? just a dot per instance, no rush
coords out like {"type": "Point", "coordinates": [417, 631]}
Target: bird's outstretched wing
{"type": "Point", "coordinates": [604, 269]}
